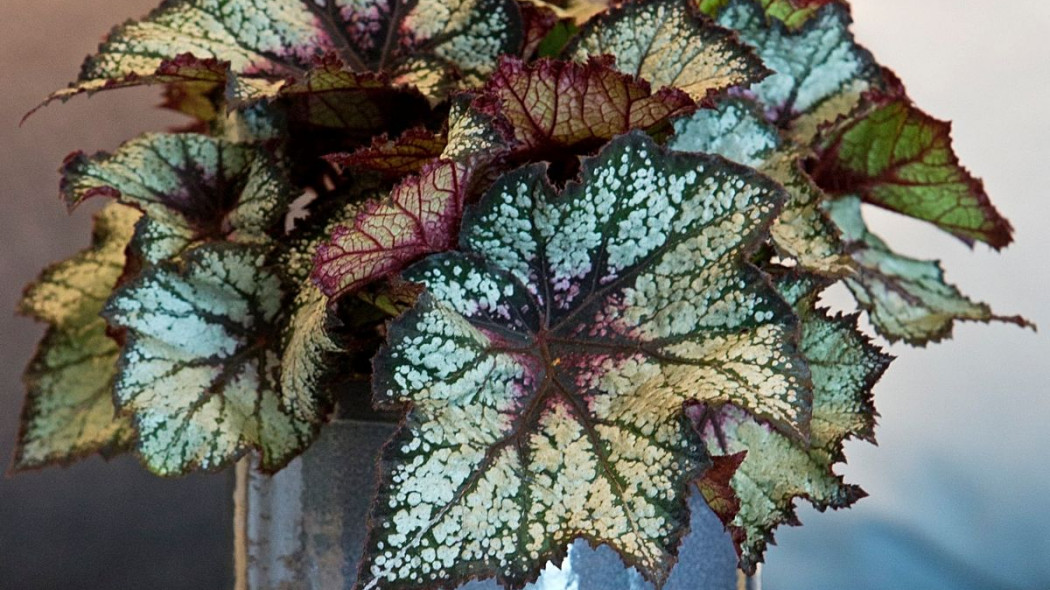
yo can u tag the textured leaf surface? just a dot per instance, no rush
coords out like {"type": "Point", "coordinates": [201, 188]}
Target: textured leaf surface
{"type": "Point", "coordinates": [268, 41]}
{"type": "Point", "coordinates": [776, 470]}
{"type": "Point", "coordinates": [394, 158]}
{"type": "Point", "coordinates": [906, 299]}
{"type": "Point", "coordinates": [736, 130]}
{"type": "Point", "coordinates": [668, 44]}
{"type": "Point", "coordinates": [793, 13]}
{"type": "Point", "coordinates": [900, 158]}
{"type": "Point", "coordinates": [820, 71]}
{"type": "Point", "coordinates": [558, 107]}
{"type": "Point", "coordinates": [420, 216]}
{"type": "Point", "coordinates": [192, 188]}
{"type": "Point", "coordinates": [547, 367]}
{"type": "Point", "coordinates": [69, 409]}
{"type": "Point", "coordinates": [200, 372]}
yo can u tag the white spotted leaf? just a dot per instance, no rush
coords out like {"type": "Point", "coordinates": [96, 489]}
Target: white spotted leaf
{"type": "Point", "coordinates": [668, 43]}
{"type": "Point", "coordinates": [201, 372]}
{"type": "Point", "coordinates": [906, 299]}
{"type": "Point", "coordinates": [69, 409]}
{"type": "Point", "coordinates": [547, 368]}
{"type": "Point", "coordinates": [736, 129]}
{"type": "Point", "coordinates": [192, 189]}
{"type": "Point", "coordinates": [431, 44]}
{"type": "Point", "coordinates": [776, 469]}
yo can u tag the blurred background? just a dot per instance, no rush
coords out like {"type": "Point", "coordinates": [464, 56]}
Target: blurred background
{"type": "Point", "coordinates": [959, 484]}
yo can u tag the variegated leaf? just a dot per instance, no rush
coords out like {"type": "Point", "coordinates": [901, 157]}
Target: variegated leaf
{"type": "Point", "coordinates": [69, 410]}
{"type": "Point", "coordinates": [737, 130]}
{"type": "Point", "coordinates": [820, 72]}
{"type": "Point", "coordinates": [420, 216]}
{"type": "Point", "coordinates": [667, 43]}
{"type": "Point", "coordinates": [266, 42]}
{"type": "Point", "coordinates": [898, 157]}
{"type": "Point", "coordinates": [192, 188]}
{"type": "Point", "coordinates": [559, 108]}
{"type": "Point", "coordinates": [201, 371]}
{"type": "Point", "coordinates": [793, 13]}
{"type": "Point", "coordinates": [547, 368]}
{"type": "Point", "coordinates": [906, 299]}
{"type": "Point", "coordinates": [776, 470]}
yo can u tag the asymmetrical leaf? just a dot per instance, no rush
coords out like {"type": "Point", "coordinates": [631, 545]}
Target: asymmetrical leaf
{"type": "Point", "coordinates": [820, 71]}
{"type": "Point", "coordinates": [557, 107]}
{"type": "Point", "coordinates": [736, 130]}
{"type": "Point", "coordinates": [666, 43]}
{"type": "Point", "coordinates": [69, 410]}
{"type": "Point", "coordinates": [266, 42]}
{"type": "Point", "coordinates": [420, 216]}
{"type": "Point", "coordinates": [776, 470]}
{"type": "Point", "coordinates": [394, 158]}
{"type": "Point", "coordinates": [192, 188]}
{"type": "Point", "coordinates": [898, 157]}
{"type": "Point", "coordinates": [478, 134]}
{"type": "Point", "coordinates": [906, 299]}
{"type": "Point", "coordinates": [547, 367]}
{"type": "Point", "coordinates": [200, 372]}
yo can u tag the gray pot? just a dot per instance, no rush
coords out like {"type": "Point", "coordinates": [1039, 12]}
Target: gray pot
{"type": "Point", "coordinates": [304, 527]}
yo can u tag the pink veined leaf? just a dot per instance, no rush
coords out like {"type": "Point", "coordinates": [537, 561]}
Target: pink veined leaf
{"type": "Point", "coordinates": [421, 215]}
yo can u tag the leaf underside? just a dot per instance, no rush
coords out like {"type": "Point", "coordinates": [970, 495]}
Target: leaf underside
{"type": "Point", "coordinates": [568, 335]}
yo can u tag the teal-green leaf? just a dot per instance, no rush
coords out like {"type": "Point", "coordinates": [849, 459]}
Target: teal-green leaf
{"type": "Point", "coordinates": [776, 469]}
{"type": "Point", "coordinates": [906, 299]}
{"type": "Point", "coordinates": [201, 370]}
{"type": "Point", "coordinates": [69, 411]}
{"type": "Point", "coordinates": [192, 189]}
{"type": "Point", "coordinates": [547, 367]}
{"type": "Point", "coordinates": [898, 157]}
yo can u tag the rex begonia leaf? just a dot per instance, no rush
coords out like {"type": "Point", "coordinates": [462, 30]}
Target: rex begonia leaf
{"type": "Point", "coordinates": [192, 188]}
{"type": "Point", "coordinates": [736, 130]}
{"type": "Point", "coordinates": [547, 367]}
{"type": "Point", "coordinates": [777, 469]}
{"type": "Point", "coordinates": [793, 13]}
{"type": "Point", "coordinates": [421, 215]}
{"type": "Point", "coordinates": [898, 157]}
{"type": "Point", "coordinates": [820, 72]}
{"type": "Point", "coordinates": [69, 409]}
{"type": "Point", "coordinates": [906, 299]}
{"type": "Point", "coordinates": [537, 23]}
{"type": "Point", "coordinates": [394, 158]}
{"type": "Point", "coordinates": [201, 373]}
{"type": "Point", "coordinates": [267, 42]}
{"type": "Point", "coordinates": [558, 107]}
{"type": "Point", "coordinates": [667, 43]}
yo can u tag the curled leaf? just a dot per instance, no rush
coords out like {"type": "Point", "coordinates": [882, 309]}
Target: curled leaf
{"type": "Point", "coordinates": [69, 410]}
{"type": "Point", "coordinates": [394, 158]}
{"type": "Point", "coordinates": [898, 157]}
{"type": "Point", "coordinates": [906, 299]}
{"type": "Point", "coordinates": [547, 367]}
{"type": "Point", "coordinates": [666, 43]}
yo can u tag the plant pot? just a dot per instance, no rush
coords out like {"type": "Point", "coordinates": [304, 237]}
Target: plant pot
{"type": "Point", "coordinates": [304, 527]}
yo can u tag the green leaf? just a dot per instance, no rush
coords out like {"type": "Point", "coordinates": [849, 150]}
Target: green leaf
{"type": "Point", "coordinates": [793, 13]}
{"type": "Point", "coordinates": [820, 71]}
{"type": "Point", "coordinates": [201, 370]}
{"type": "Point", "coordinates": [394, 158]}
{"type": "Point", "coordinates": [777, 469]}
{"type": "Point", "coordinates": [898, 157]}
{"type": "Point", "coordinates": [547, 367]}
{"type": "Point", "coordinates": [906, 299]}
{"type": "Point", "coordinates": [192, 188]}
{"type": "Point", "coordinates": [668, 44]}
{"type": "Point", "coordinates": [559, 109]}
{"type": "Point", "coordinates": [69, 410]}
{"type": "Point", "coordinates": [736, 129]}
{"type": "Point", "coordinates": [420, 216]}
{"type": "Point", "coordinates": [266, 42]}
